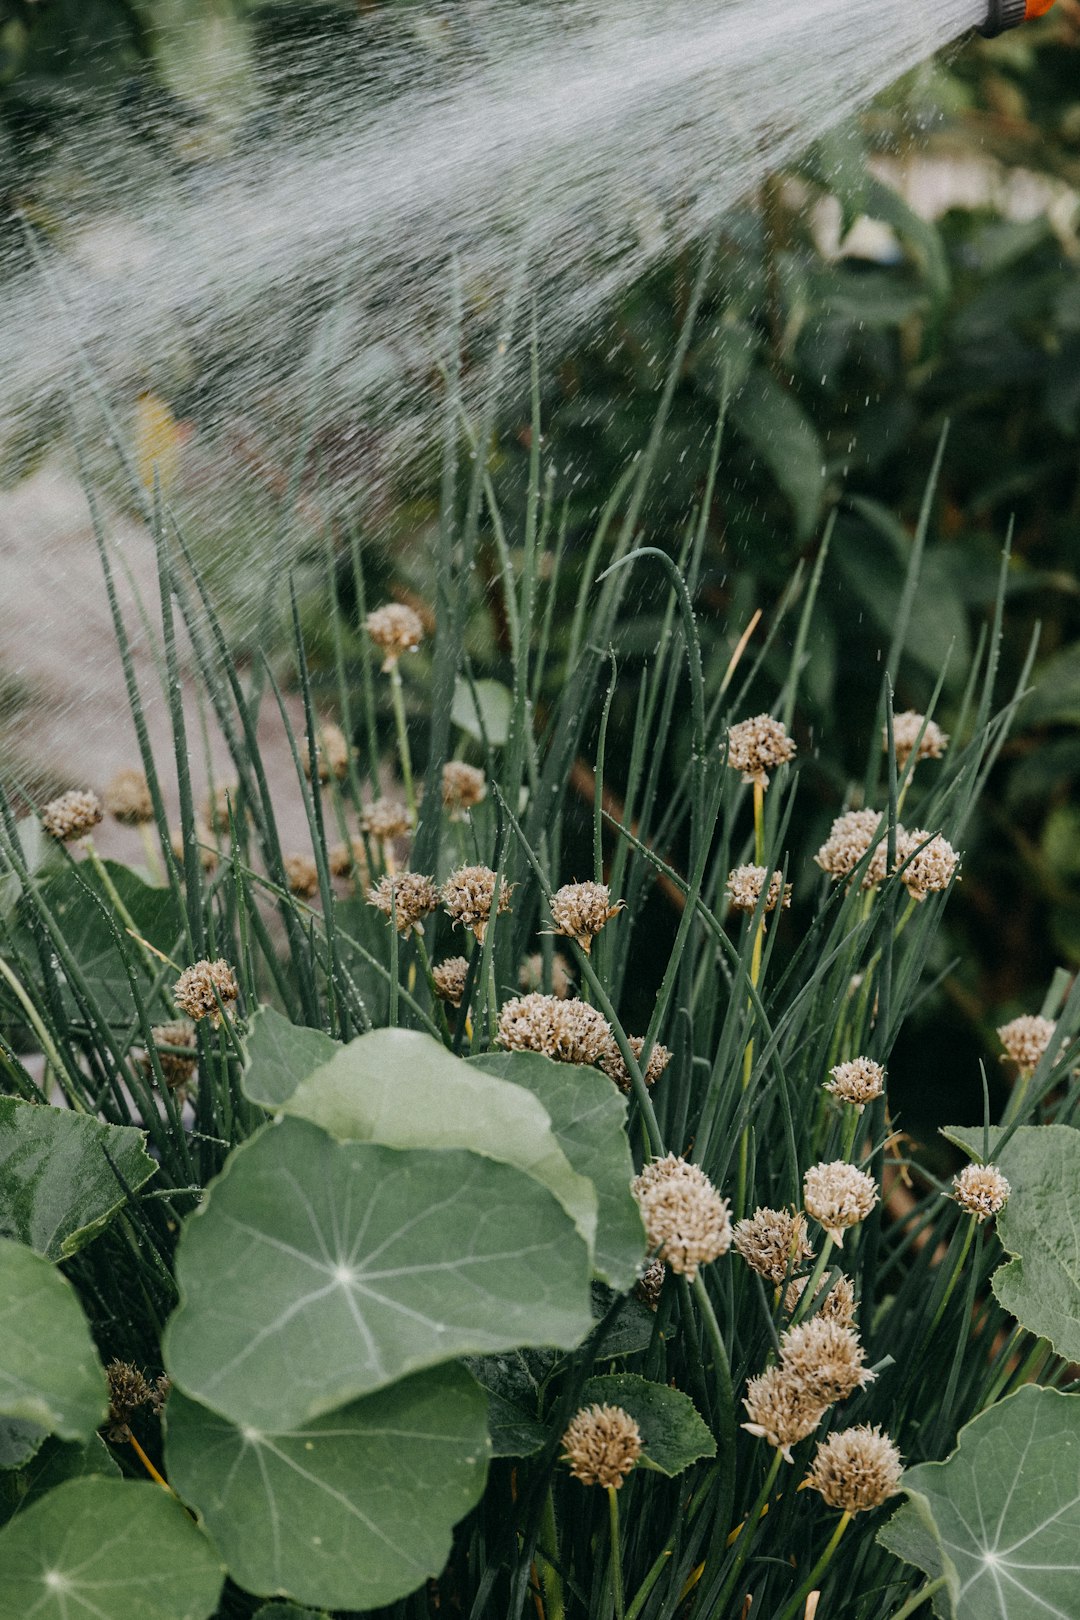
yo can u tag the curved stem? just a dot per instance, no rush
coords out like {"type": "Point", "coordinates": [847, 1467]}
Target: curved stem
{"type": "Point", "coordinates": [159, 1479]}
{"type": "Point", "coordinates": [792, 1608]}
{"type": "Point", "coordinates": [917, 1599]}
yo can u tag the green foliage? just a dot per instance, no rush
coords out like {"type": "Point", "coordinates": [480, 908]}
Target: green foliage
{"type": "Point", "coordinates": [279, 1055]}
{"type": "Point", "coordinates": [49, 1373]}
{"type": "Point", "coordinates": [672, 1432]}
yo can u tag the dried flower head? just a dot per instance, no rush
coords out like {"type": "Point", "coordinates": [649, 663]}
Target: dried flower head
{"type": "Point", "coordinates": [332, 753]}
{"type": "Point", "coordinates": [615, 1068]}
{"type": "Point", "coordinates": [744, 886]}
{"type": "Point", "coordinates": [850, 836]}
{"type": "Point", "coordinates": [686, 1220]}
{"type": "Point", "coordinates": [981, 1190]}
{"type": "Point", "coordinates": [906, 728]}
{"type": "Point", "coordinates": [568, 1031]}
{"type": "Point", "coordinates": [449, 979]}
{"type": "Point", "coordinates": [838, 1305]}
{"type": "Point", "coordinates": [580, 911]}
{"type": "Point", "coordinates": [127, 798]}
{"type": "Point", "coordinates": [177, 1052]}
{"type": "Point", "coordinates": [858, 1081]}
{"type": "Point", "coordinates": [931, 869]}
{"type": "Point", "coordinates": [757, 746]}
{"type": "Point", "coordinates": [856, 1469]}
{"type": "Point", "coordinates": [346, 859]}
{"type": "Point", "coordinates": [1025, 1039]}
{"type": "Point", "coordinates": [201, 987]}
{"type": "Point", "coordinates": [302, 875]}
{"type": "Point", "coordinates": [468, 895]}
{"type": "Point", "coordinates": [407, 897]}
{"type": "Point", "coordinates": [601, 1444]}
{"type": "Point", "coordinates": [203, 838]}
{"type": "Point", "coordinates": [72, 815]}
{"type": "Point", "coordinates": [838, 1196]}
{"type": "Point", "coordinates": [129, 1389]}
{"type": "Point", "coordinates": [463, 787]}
{"type": "Point", "coordinates": [385, 819]}
{"type": "Point", "coordinates": [773, 1243]}
{"type": "Point", "coordinates": [827, 1356]}
{"type": "Point", "coordinates": [531, 974]}
{"type": "Point", "coordinates": [395, 629]}
{"type": "Point", "coordinates": [650, 1284]}
{"type": "Point", "coordinates": [781, 1410]}
{"type": "Point", "coordinates": [218, 805]}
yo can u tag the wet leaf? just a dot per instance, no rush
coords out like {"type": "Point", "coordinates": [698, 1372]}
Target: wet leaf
{"type": "Point", "coordinates": [279, 1056]}
{"type": "Point", "coordinates": [485, 707]}
{"type": "Point", "coordinates": [673, 1433]}
{"type": "Point", "coordinates": [780, 432]}
{"type": "Point", "coordinates": [56, 1461]}
{"type": "Point", "coordinates": [49, 1370]}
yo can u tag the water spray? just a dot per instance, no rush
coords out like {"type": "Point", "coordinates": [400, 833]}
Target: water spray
{"type": "Point", "coordinates": [1005, 14]}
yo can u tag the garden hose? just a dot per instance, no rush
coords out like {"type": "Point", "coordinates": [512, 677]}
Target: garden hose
{"type": "Point", "coordinates": [1003, 14]}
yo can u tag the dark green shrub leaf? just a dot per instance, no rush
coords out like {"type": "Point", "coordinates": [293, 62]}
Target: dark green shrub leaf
{"type": "Point", "coordinates": [107, 1547]}
{"type": "Point", "coordinates": [780, 432]}
{"type": "Point", "coordinates": [19, 1441]}
{"type": "Point", "coordinates": [57, 1187]}
{"type": "Point", "coordinates": [1006, 1506]}
{"type": "Point", "coordinates": [511, 1384]}
{"type": "Point", "coordinates": [49, 1370]}
{"type": "Point", "coordinates": [279, 1056]}
{"type": "Point", "coordinates": [404, 1089]}
{"type": "Point", "coordinates": [588, 1114]}
{"type": "Point", "coordinates": [483, 707]}
{"type": "Point", "coordinates": [56, 1461]}
{"type": "Point", "coordinates": [673, 1434]}
{"type": "Point", "coordinates": [318, 1271]}
{"type": "Point", "coordinates": [1055, 697]}
{"type": "Point", "coordinates": [353, 1510]}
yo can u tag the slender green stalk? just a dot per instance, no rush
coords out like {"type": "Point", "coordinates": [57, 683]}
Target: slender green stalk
{"type": "Point", "coordinates": [397, 698]}
{"type": "Point", "coordinates": [52, 1056]}
{"type": "Point", "coordinates": [616, 1553]}
{"type": "Point", "coordinates": [794, 1605]}
{"type": "Point", "coordinates": [548, 1547]}
{"type": "Point", "coordinates": [917, 1599]}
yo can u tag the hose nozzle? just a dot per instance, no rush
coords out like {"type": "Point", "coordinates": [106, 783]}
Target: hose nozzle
{"type": "Point", "coordinates": [1003, 14]}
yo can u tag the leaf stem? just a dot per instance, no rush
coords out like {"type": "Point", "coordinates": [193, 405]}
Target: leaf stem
{"type": "Point", "coordinates": [616, 1553]}
{"type": "Point", "coordinates": [404, 756]}
{"type": "Point", "coordinates": [917, 1599]}
{"type": "Point", "coordinates": [158, 1479]}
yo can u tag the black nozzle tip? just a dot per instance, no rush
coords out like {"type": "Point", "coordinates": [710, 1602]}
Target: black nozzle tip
{"type": "Point", "coordinates": [1003, 14]}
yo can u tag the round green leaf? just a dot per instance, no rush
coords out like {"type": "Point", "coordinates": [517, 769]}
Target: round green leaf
{"type": "Point", "coordinates": [404, 1089]}
{"type": "Point", "coordinates": [107, 1547]}
{"type": "Point", "coordinates": [19, 1441]}
{"type": "Point", "coordinates": [49, 1370]}
{"type": "Point", "coordinates": [57, 1187]}
{"type": "Point", "coordinates": [318, 1271]}
{"type": "Point", "coordinates": [279, 1055]}
{"type": "Point", "coordinates": [1006, 1509]}
{"type": "Point", "coordinates": [483, 707]}
{"type": "Point", "coordinates": [673, 1434]}
{"type": "Point", "coordinates": [56, 1461]}
{"type": "Point", "coordinates": [353, 1510]}
{"type": "Point", "coordinates": [588, 1114]}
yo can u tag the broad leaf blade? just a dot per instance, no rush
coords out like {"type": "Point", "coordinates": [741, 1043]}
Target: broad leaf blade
{"type": "Point", "coordinates": [57, 1461]}
{"type": "Point", "coordinates": [588, 1114]}
{"type": "Point", "coordinates": [912, 1534]}
{"type": "Point", "coordinates": [49, 1370]}
{"type": "Point", "coordinates": [319, 1271]}
{"type": "Point", "coordinates": [673, 1434]}
{"type": "Point", "coordinates": [57, 1187]}
{"type": "Point", "coordinates": [488, 712]}
{"type": "Point", "coordinates": [107, 1547]}
{"type": "Point", "coordinates": [279, 1056]}
{"type": "Point", "coordinates": [354, 1509]}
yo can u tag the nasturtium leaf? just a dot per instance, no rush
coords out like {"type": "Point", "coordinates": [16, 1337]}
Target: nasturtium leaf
{"type": "Point", "coordinates": [404, 1089]}
{"type": "Point", "coordinates": [588, 1114]}
{"type": "Point", "coordinates": [56, 1461]}
{"type": "Point", "coordinates": [489, 711]}
{"type": "Point", "coordinates": [352, 1510]}
{"type": "Point", "coordinates": [673, 1434]}
{"type": "Point", "coordinates": [49, 1370]}
{"type": "Point", "coordinates": [1040, 1225]}
{"type": "Point", "coordinates": [19, 1440]}
{"type": "Point", "coordinates": [913, 1535]}
{"type": "Point", "coordinates": [57, 1187]}
{"type": "Point", "coordinates": [40, 854]}
{"type": "Point", "coordinates": [279, 1056]}
{"type": "Point", "coordinates": [511, 1383]}
{"type": "Point", "coordinates": [318, 1271]}
{"type": "Point", "coordinates": [1006, 1505]}
{"type": "Point", "coordinates": [107, 1547]}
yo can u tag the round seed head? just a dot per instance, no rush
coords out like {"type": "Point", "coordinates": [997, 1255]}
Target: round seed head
{"type": "Point", "coordinates": [345, 859]}
{"type": "Point", "coordinates": [856, 1469]}
{"type": "Point", "coordinates": [463, 787]}
{"type": "Point", "coordinates": [568, 1031]}
{"type": "Point", "coordinates": [838, 1196]}
{"type": "Point", "coordinates": [906, 728]}
{"type": "Point", "coordinates": [851, 835]}
{"type": "Point", "coordinates": [650, 1284]}
{"type": "Point", "coordinates": [827, 1356]}
{"type": "Point", "coordinates": [781, 1410]}
{"type": "Point", "coordinates": [531, 974]}
{"type": "Point", "coordinates": [686, 1220]}
{"type": "Point", "coordinates": [177, 1053]}
{"type": "Point", "coordinates": [331, 753]}
{"type": "Point", "coordinates": [773, 1243]}
{"type": "Point", "coordinates": [744, 887]}
{"type": "Point", "coordinates": [449, 979]}
{"type": "Point", "coordinates": [615, 1068]}
{"type": "Point", "coordinates": [395, 629]}
{"type": "Point", "coordinates": [72, 815]}
{"type": "Point", "coordinates": [601, 1444]}
{"type": "Point", "coordinates": [302, 875]}
{"type": "Point", "coordinates": [932, 868]}
{"type": "Point", "coordinates": [385, 819]}
{"type": "Point", "coordinates": [1025, 1039]}
{"type": "Point", "coordinates": [202, 986]}
{"type": "Point", "coordinates": [858, 1081]}
{"type": "Point", "coordinates": [129, 1390]}
{"type": "Point", "coordinates": [981, 1190]}
{"type": "Point", "coordinates": [757, 746]}
{"type": "Point", "coordinates": [838, 1304]}
{"type": "Point", "coordinates": [468, 895]}
{"type": "Point", "coordinates": [405, 897]}
{"type": "Point", "coordinates": [580, 911]}
{"type": "Point", "coordinates": [127, 798]}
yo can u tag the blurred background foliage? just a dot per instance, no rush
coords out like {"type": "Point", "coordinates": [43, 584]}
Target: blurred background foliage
{"type": "Point", "coordinates": [919, 270]}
